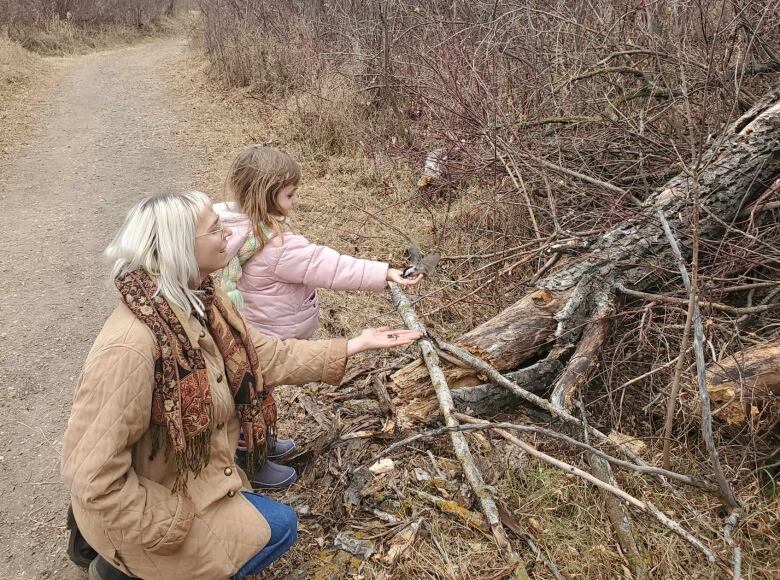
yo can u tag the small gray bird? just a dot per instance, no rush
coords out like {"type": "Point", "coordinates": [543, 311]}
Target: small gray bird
{"type": "Point", "coordinates": [419, 264]}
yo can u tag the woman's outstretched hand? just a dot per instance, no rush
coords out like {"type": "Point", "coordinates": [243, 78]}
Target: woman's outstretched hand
{"type": "Point", "coordinates": [397, 276]}
{"type": "Point", "coordinates": [382, 337]}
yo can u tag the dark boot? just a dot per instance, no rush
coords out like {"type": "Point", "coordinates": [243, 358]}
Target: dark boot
{"type": "Point", "coordinates": [274, 476]}
{"type": "Point", "coordinates": [281, 448]}
{"type": "Point", "coordinates": [79, 550]}
{"type": "Point", "coordinates": [100, 569]}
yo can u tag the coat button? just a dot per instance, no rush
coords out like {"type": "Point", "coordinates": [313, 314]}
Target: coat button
{"type": "Point", "coordinates": [202, 334]}
{"type": "Point", "coordinates": [231, 493]}
{"type": "Point", "coordinates": [220, 425]}
{"type": "Point", "coordinates": [219, 378]}
{"type": "Point", "coordinates": [228, 471]}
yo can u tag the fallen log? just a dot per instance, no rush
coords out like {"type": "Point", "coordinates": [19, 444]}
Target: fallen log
{"type": "Point", "coordinates": [512, 337]}
{"type": "Point", "coordinates": [741, 384]}
{"type": "Point", "coordinates": [733, 173]}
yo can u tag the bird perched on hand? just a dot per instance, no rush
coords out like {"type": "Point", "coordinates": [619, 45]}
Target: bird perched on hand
{"type": "Point", "coordinates": [419, 264]}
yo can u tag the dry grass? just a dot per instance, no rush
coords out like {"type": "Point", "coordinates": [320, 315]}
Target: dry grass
{"type": "Point", "coordinates": [25, 79]}
{"type": "Point", "coordinates": [57, 36]}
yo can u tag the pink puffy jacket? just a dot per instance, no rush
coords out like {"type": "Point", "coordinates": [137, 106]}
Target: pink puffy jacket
{"type": "Point", "coordinates": [279, 283]}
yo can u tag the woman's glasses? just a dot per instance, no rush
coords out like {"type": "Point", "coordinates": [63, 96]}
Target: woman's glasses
{"type": "Point", "coordinates": [219, 229]}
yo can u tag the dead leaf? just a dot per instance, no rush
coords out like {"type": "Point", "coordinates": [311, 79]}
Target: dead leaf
{"type": "Point", "coordinates": [536, 526]}
{"type": "Point", "coordinates": [401, 542]}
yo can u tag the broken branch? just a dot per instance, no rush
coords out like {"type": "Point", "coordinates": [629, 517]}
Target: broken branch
{"type": "Point", "coordinates": [459, 443]}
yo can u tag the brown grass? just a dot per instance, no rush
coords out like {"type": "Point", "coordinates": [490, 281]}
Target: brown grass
{"type": "Point", "coordinates": [24, 80]}
{"type": "Point", "coordinates": [55, 35]}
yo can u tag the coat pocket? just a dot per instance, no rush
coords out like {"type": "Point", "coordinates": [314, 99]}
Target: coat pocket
{"type": "Point", "coordinates": [310, 301]}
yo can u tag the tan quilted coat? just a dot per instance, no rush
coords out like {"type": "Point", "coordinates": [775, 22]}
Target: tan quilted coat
{"type": "Point", "coordinates": [122, 499]}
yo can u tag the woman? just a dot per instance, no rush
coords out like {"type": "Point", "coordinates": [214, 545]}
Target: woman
{"type": "Point", "coordinates": [148, 454]}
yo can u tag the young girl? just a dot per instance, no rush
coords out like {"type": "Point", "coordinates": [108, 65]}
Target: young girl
{"type": "Point", "coordinates": [274, 273]}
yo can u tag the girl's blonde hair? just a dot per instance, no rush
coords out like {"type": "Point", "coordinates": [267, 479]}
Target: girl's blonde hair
{"type": "Point", "coordinates": [159, 236]}
{"type": "Point", "coordinates": [256, 176]}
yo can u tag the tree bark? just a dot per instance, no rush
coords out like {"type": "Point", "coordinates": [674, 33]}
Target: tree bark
{"type": "Point", "coordinates": [514, 336]}
{"type": "Point", "coordinates": [490, 399]}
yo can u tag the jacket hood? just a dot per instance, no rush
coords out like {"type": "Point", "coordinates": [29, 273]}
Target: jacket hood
{"type": "Point", "coordinates": [230, 213]}
{"type": "Point", "coordinates": [238, 223]}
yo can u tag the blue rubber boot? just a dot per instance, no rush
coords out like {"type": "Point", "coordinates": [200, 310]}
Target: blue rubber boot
{"type": "Point", "coordinates": [274, 476]}
{"type": "Point", "coordinates": [281, 448]}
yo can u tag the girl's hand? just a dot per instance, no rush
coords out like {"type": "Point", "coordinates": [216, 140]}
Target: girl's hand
{"type": "Point", "coordinates": [382, 337]}
{"type": "Point", "coordinates": [397, 276]}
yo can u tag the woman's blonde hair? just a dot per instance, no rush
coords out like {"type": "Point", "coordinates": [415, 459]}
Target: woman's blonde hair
{"type": "Point", "coordinates": [256, 176]}
{"type": "Point", "coordinates": [159, 236]}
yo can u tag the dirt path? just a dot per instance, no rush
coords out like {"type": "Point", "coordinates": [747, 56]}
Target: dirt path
{"type": "Point", "coordinates": [100, 142]}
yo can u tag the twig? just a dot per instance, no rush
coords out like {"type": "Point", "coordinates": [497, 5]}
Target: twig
{"type": "Point", "coordinates": [765, 207]}
{"type": "Point", "coordinates": [42, 432]}
{"type": "Point", "coordinates": [511, 522]}
{"type": "Point", "coordinates": [442, 552]}
{"type": "Point", "coordinates": [609, 70]}
{"type": "Point", "coordinates": [384, 223]}
{"type": "Point", "coordinates": [496, 377]}
{"type": "Point", "coordinates": [459, 443]}
{"type": "Point", "coordinates": [704, 303]}
{"type": "Point", "coordinates": [645, 507]}
{"type": "Point", "coordinates": [489, 281]}
{"type": "Point", "coordinates": [511, 171]}
{"type": "Point", "coordinates": [570, 120]}
{"type": "Point", "coordinates": [698, 349]}
{"type": "Point", "coordinates": [472, 519]}
{"type": "Point", "coordinates": [687, 479]}
{"type": "Point", "coordinates": [546, 266]}
{"type": "Point", "coordinates": [675, 388]}
{"type": "Point", "coordinates": [648, 373]}
{"type": "Point", "coordinates": [582, 177]}
{"type": "Point", "coordinates": [728, 531]}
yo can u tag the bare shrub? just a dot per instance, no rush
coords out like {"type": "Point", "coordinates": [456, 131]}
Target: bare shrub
{"type": "Point", "coordinates": [62, 26]}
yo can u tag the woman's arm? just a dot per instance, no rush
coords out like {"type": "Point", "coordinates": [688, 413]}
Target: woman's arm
{"type": "Point", "coordinates": [301, 361]}
{"type": "Point", "coordinates": [111, 412]}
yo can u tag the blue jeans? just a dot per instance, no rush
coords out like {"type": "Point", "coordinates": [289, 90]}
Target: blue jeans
{"type": "Point", "coordinates": [284, 530]}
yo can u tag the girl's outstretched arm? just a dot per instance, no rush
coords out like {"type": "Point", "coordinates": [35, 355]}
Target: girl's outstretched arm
{"type": "Point", "coordinates": [301, 262]}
